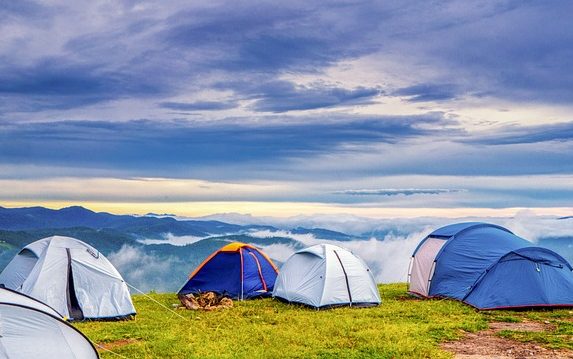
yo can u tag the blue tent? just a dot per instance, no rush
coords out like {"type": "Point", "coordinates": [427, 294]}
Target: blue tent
{"type": "Point", "coordinates": [238, 270]}
{"type": "Point", "coordinates": [489, 267]}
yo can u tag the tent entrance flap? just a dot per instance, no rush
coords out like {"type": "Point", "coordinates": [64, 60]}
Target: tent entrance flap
{"type": "Point", "coordinates": [421, 269]}
{"type": "Point", "coordinates": [261, 277]}
{"type": "Point", "coordinates": [74, 308]}
{"type": "Point", "coordinates": [345, 277]}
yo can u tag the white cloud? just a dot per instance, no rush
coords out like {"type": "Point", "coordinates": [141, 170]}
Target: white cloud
{"type": "Point", "coordinates": [173, 240]}
{"type": "Point", "coordinates": [144, 271]}
{"type": "Point", "coordinates": [393, 241]}
{"type": "Point", "coordinates": [388, 257]}
{"type": "Point", "coordinates": [307, 239]}
{"type": "Point", "coordinates": [387, 250]}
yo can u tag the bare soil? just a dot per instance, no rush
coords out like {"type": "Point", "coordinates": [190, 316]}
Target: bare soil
{"type": "Point", "coordinates": [486, 344]}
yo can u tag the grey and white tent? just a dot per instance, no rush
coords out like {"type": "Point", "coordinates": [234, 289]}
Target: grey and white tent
{"type": "Point", "coordinates": [31, 329]}
{"type": "Point", "coordinates": [325, 275]}
{"type": "Point", "coordinates": [11, 296]}
{"type": "Point", "coordinates": [71, 277]}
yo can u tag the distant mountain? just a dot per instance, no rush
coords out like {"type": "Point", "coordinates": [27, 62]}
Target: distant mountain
{"type": "Point", "coordinates": [567, 217]}
{"type": "Point", "coordinates": [149, 226]}
{"type": "Point", "coordinates": [32, 218]}
{"type": "Point", "coordinates": [152, 251]}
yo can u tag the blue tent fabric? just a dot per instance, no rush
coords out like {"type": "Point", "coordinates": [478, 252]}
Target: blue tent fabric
{"type": "Point", "coordinates": [457, 228]}
{"type": "Point", "coordinates": [237, 270]}
{"type": "Point", "coordinates": [221, 274]}
{"type": "Point", "coordinates": [526, 277]}
{"type": "Point", "coordinates": [489, 267]}
{"type": "Point", "coordinates": [467, 254]}
{"type": "Point", "coordinates": [256, 267]}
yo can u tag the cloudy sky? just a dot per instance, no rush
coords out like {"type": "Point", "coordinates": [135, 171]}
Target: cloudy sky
{"type": "Point", "coordinates": [375, 108]}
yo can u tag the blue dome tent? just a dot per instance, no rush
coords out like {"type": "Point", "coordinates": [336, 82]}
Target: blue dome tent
{"type": "Point", "coordinates": [489, 267]}
{"type": "Point", "coordinates": [237, 270]}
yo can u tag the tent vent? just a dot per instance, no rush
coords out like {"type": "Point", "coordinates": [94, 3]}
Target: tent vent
{"type": "Point", "coordinates": [93, 253]}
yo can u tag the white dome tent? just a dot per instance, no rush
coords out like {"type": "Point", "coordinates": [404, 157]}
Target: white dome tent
{"type": "Point", "coordinates": [11, 296]}
{"type": "Point", "coordinates": [71, 277]}
{"type": "Point", "coordinates": [25, 321]}
{"type": "Point", "coordinates": [325, 275]}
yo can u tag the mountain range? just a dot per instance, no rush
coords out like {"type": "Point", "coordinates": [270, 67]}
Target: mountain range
{"type": "Point", "coordinates": [157, 251]}
{"type": "Point", "coordinates": [150, 236]}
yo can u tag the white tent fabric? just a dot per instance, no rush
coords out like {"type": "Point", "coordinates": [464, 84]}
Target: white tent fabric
{"type": "Point", "coordinates": [13, 297]}
{"type": "Point", "coordinates": [326, 275]}
{"type": "Point", "coordinates": [422, 266]}
{"type": "Point", "coordinates": [30, 333]}
{"type": "Point", "coordinates": [71, 277]}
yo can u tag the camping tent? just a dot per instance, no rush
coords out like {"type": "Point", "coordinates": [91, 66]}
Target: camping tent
{"type": "Point", "coordinates": [325, 275]}
{"type": "Point", "coordinates": [489, 267]}
{"type": "Point", "coordinates": [70, 276]}
{"type": "Point", "coordinates": [31, 329]}
{"type": "Point", "coordinates": [238, 270]}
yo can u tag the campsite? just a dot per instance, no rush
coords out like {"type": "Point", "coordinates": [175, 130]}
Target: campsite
{"type": "Point", "coordinates": [402, 327]}
{"type": "Point", "coordinates": [323, 301]}
{"type": "Point", "coordinates": [286, 179]}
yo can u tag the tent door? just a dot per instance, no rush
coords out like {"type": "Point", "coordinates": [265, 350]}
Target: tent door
{"type": "Point", "coordinates": [422, 268]}
{"type": "Point", "coordinates": [345, 277]}
{"type": "Point", "coordinates": [260, 272]}
{"type": "Point", "coordinates": [74, 308]}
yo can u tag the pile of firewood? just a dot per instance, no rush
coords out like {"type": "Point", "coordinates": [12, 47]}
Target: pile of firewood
{"type": "Point", "coordinates": [205, 301]}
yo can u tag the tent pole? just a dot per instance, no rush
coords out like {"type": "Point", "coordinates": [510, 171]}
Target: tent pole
{"type": "Point", "coordinates": [410, 270]}
{"type": "Point", "coordinates": [242, 273]}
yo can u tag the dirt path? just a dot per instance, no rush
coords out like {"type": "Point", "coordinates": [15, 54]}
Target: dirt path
{"type": "Point", "coordinates": [486, 344]}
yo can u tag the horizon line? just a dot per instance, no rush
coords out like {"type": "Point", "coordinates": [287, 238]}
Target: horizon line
{"type": "Point", "coordinates": [288, 209]}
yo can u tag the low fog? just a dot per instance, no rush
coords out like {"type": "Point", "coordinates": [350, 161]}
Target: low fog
{"type": "Point", "coordinates": [385, 245]}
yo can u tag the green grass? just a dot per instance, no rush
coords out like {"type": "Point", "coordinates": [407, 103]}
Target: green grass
{"type": "Point", "coordinates": [402, 327]}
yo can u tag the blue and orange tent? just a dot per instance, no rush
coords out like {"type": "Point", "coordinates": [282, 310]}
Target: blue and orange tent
{"type": "Point", "coordinates": [238, 270]}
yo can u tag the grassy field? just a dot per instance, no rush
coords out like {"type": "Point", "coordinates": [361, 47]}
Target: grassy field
{"type": "Point", "coordinates": [402, 327]}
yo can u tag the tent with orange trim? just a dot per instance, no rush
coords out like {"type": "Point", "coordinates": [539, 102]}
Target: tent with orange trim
{"type": "Point", "coordinates": [238, 270]}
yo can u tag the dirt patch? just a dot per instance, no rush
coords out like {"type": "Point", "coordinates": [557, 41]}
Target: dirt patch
{"type": "Point", "coordinates": [525, 326]}
{"type": "Point", "coordinates": [486, 344]}
{"type": "Point", "coordinates": [116, 343]}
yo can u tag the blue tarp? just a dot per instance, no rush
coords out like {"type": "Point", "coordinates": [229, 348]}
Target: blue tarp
{"type": "Point", "coordinates": [243, 273]}
{"type": "Point", "coordinates": [488, 266]}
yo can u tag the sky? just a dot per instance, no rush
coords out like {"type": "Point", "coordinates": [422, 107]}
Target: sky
{"type": "Point", "coordinates": [371, 108]}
